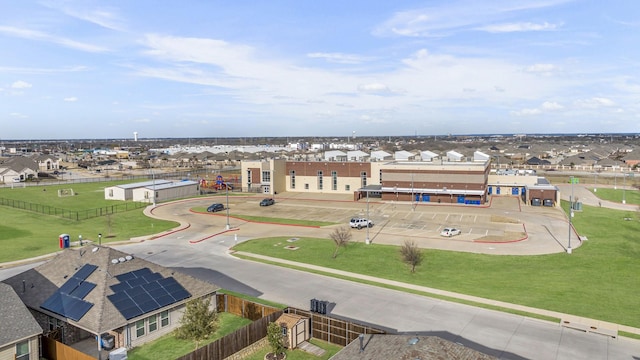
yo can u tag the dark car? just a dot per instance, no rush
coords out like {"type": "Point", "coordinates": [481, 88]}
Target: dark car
{"type": "Point", "coordinates": [267, 202]}
{"type": "Point", "coordinates": [215, 207]}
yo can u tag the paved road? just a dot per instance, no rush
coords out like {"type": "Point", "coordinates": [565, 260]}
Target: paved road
{"type": "Point", "coordinates": [503, 335]}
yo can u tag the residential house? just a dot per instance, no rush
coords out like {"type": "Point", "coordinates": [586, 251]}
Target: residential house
{"type": "Point", "coordinates": [384, 347]}
{"type": "Point", "coordinates": [96, 291]}
{"type": "Point", "coordinates": [18, 167]}
{"type": "Point", "coordinates": [19, 331]}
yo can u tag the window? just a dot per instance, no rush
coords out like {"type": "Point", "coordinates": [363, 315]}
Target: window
{"type": "Point", "coordinates": [153, 323]}
{"type": "Point", "coordinates": [320, 182]}
{"type": "Point", "coordinates": [140, 328]}
{"type": "Point", "coordinates": [347, 187]}
{"type": "Point", "coordinates": [164, 318]}
{"type": "Point", "coordinates": [22, 350]}
{"type": "Point", "coordinates": [266, 176]}
{"type": "Point", "coordinates": [284, 330]}
{"type": "Point", "coordinates": [110, 192]}
{"type": "Point", "coordinates": [306, 186]}
{"type": "Point", "coordinates": [334, 180]}
{"type": "Point", "coordinates": [363, 179]}
{"type": "Point", "coordinates": [54, 323]}
{"type": "Point", "coordinates": [292, 176]}
{"type": "Point", "coordinates": [249, 179]}
{"type": "Point", "coordinates": [146, 195]}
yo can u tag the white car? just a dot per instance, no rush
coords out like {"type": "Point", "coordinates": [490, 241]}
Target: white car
{"type": "Point", "coordinates": [449, 232]}
{"type": "Point", "coordinates": [360, 223]}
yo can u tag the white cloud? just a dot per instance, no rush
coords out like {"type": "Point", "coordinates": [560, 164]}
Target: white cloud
{"type": "Point", "coordinates": [594, 103]}
{"type": "Point", "coordinates": [20, 85]}
{"type": "Point", "coordinates": [71, 99]}
{"type": "Point", "coordinates": [518, 27]}
{"type": "Point", "coordinates": [42, 36]}
{"type": "Point", "coordinates": [144, 120]}
{"type": "Point", "coordinates": [526, 112]}
{"type": "Point", "coordinates": [457, 16]}
{"type": "Point", "coordinates": [551, 105]}
{"type": "Point", "coordinates": [18, 115]}
{"type": "Point", "coordinates": [374, 88]}
{"type": "Point", "coordinates": [338, 58]}
{"type": "Point", "coordinates": [543, 69]}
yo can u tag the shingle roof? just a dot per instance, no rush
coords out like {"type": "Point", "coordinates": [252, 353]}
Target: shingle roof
{"type": "Point", "coordinates": [289, 320]}
{"type": "Point", "coordinates": [383, 347]}
{"type": "Point", "coordinates": [17, 321]}
{"type": "Point", "coordinates": [42, 281]}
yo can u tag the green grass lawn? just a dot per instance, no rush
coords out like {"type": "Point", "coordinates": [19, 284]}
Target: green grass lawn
{"type": "Point", "coordinates": [25, 234]}
{"type": "Point", "coordinates": [330, 350]}
{"type": "Point", "coordinates": [169, 348]}
{"type": "Point", "coordinates": [599, 280]}
{"type": "Point", "coordinates": [616, 195]}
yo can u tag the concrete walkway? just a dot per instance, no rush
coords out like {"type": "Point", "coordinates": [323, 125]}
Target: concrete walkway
{"type": "Point", "coordinates": [572, 321]}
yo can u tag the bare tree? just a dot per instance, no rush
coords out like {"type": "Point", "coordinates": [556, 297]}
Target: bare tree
{"type": "Point", "coordinates": [341, 237]}
{"type": "Point", "coordinates": [411, 254]}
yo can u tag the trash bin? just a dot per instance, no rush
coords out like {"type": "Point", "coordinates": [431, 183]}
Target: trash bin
{"type": "Point", "coordinates": [64, 241]}
{"type": "Point", "coordinates": [107, 341]}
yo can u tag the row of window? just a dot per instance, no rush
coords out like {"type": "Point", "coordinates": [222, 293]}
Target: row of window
{"type": "Point", "coordinates": [320, 183]}
{"type": "Point", "coordinates": [266, 178]}
{"type": "Point", "coordinates": [22, 350]}
{"type": "Point", "coordinates": [150, 324]}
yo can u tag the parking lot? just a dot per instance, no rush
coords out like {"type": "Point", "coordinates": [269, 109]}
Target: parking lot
{"type": "Point", "coordinates": [504, 226]}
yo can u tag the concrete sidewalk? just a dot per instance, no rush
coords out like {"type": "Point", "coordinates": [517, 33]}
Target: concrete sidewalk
{"type": "Point", "coordinates": [571, 321]}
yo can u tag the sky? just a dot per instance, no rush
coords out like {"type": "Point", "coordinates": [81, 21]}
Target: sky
{"type": "Point", "coordinates": [207, 68]}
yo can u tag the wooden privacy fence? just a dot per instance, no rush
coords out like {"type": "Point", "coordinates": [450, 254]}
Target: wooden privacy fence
{"type": "Point", "coordinates": [241, 307]}
{"type": "Point", "coordinates": [234, 342]}
{"type": "Point", "coordinates": [55, 350]}
{"type": "Point", "coordinates": [335, 331]}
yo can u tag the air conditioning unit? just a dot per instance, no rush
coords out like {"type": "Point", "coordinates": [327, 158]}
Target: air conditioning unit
{"type": "Point", "coordinates": [118, 354]}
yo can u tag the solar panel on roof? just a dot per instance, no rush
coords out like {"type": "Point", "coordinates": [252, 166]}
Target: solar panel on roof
{"type": "Point", "coordinates": [136, 282]}
{"type": "Point", "coordinates": [148, 306]}
{"type": "Point", "coordinates": [180, 294]}
{"type": "Point", "coordinates": [123, 303]}
{"type": "Point", "coordinates": [152, 277]}
{"type": "Point", "coordinates": [133, 292]}
{"type": "Point", "coordinates": [130, 313]}
{"type": "Point", "coordinates": [151, 286]}
{"type": "Point", "coordinates": [77, 309]}
{"type": "Point", "coordinates": [142, 272]}
{"type": "Point", "coordinates": [70, 285]}
{"type": "Point", "coordinates": [85, 271]}
{"type": "Point", "coordinates": [143, 297]}
{"type": "Point", "coordinates": [165, 300]}
{"type": "Point", "coordinates": [120, 287]}
{"type": "Point", "coordinates": [142, 291]}
{"type": "Point", "coordinates": [67, 306]}
{"type": "Point", "coordinates": [83, 289]}
{"type": "Point", "coordinates": [125, 276]}
{"type": "Point", "coordinates": [155, 293]}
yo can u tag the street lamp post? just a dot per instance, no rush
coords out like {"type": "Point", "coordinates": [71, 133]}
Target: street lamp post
{"type": "Point", "coordinates": [227, 187]}
{"type": "Point", "coordinates": [570, 216]}
{"type": "Point", "coordinates": [100, 239]}
{"type": "Point", "coordinates": [624, 184]}
{"type": "Point", "coordinates": [595, 181]}
{"type": "Point", "coordinates": [366, 240]}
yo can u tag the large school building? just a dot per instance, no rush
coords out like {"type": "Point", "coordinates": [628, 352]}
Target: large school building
{"type": "Point", "coordinates": [440, 180]}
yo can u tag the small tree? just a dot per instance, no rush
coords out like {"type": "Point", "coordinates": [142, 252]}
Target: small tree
{"type": "Point", "coordinates": [276, 340]}
{"type": "Point", "coordinates": [411, 254]}
{"type": "Point", "coordinates": [198, 322]}
{"type": "Point", "coordinates": [341, 237]}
